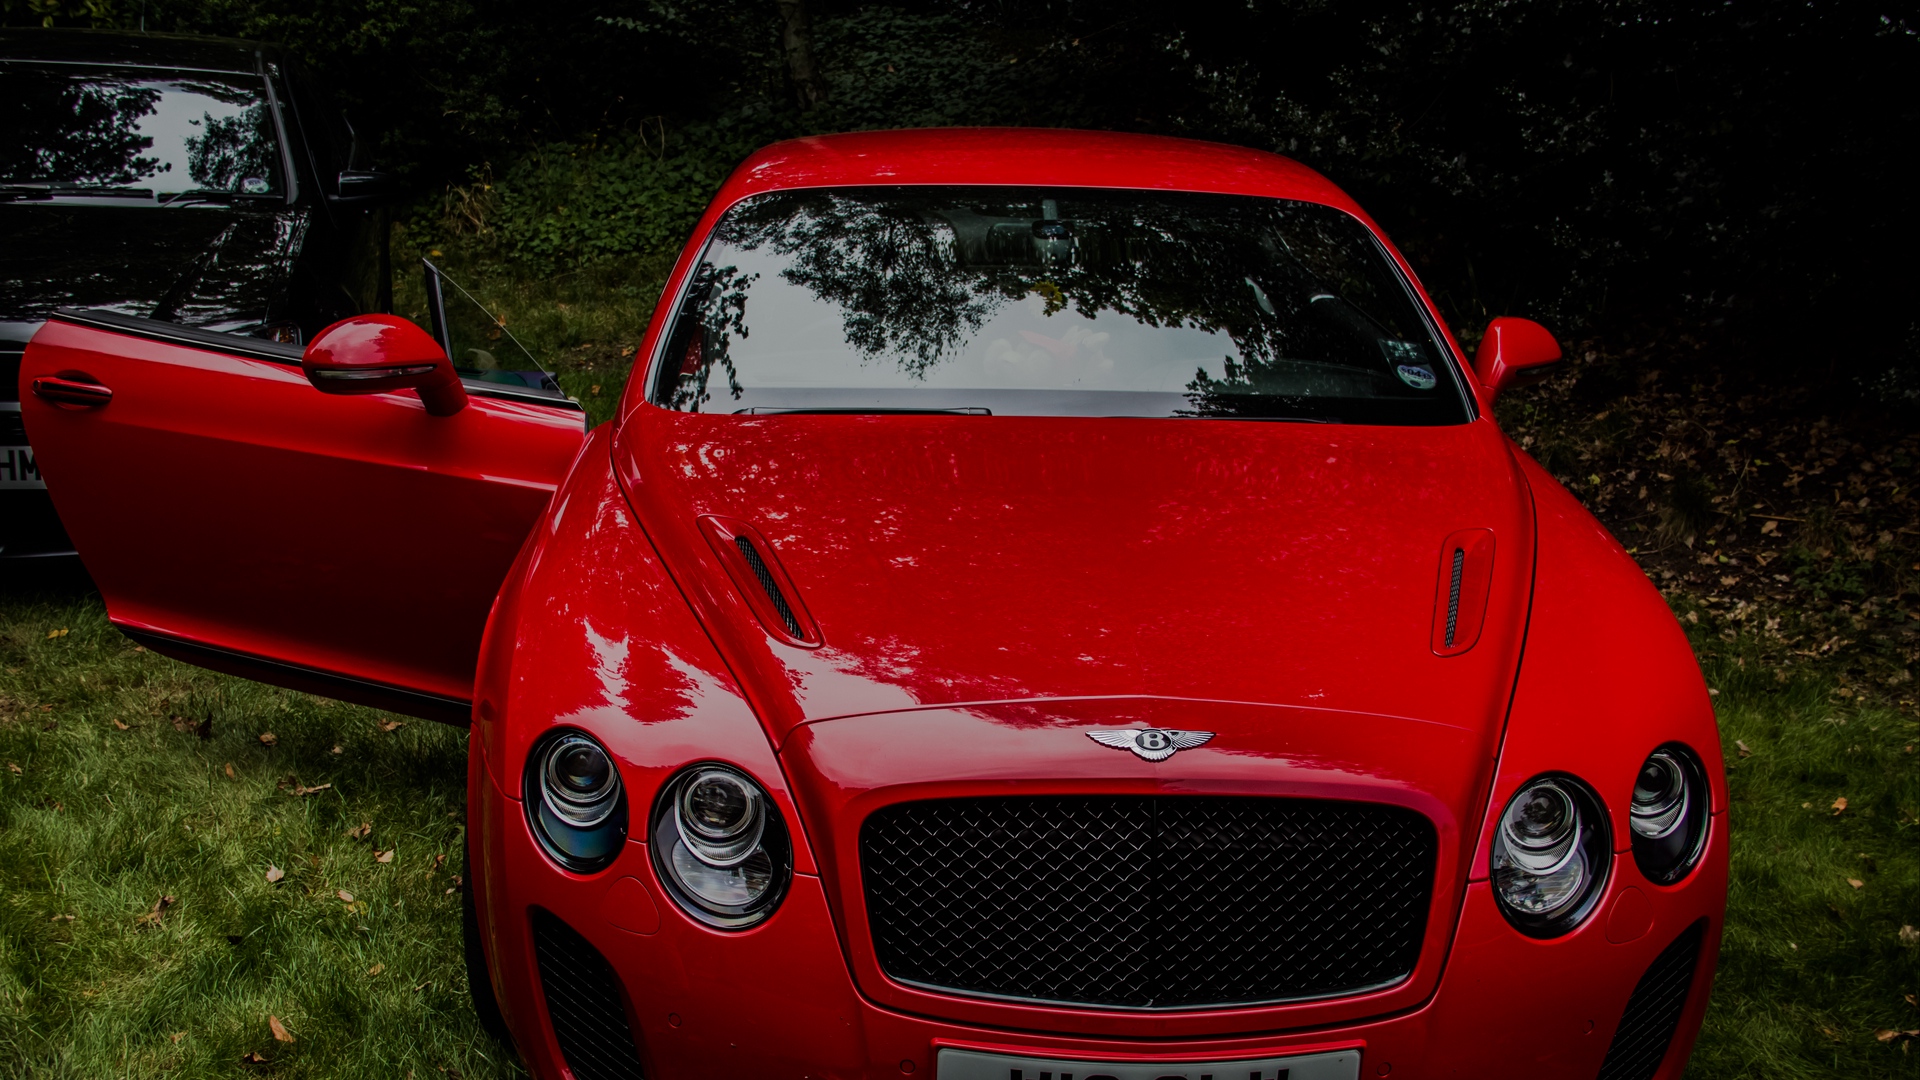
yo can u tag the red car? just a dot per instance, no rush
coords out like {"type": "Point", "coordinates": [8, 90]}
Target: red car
{"type": "Point", "coordinates": [1052, 605]}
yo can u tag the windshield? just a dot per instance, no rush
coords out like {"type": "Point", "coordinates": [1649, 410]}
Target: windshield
{"type": "Point", "coordinates": [1068, 302]}
{"type": "Point", "coordinates": [66, 126]}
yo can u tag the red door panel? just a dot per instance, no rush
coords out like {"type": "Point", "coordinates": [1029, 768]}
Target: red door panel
{"type": "Point", "coordinates": [239, 518]}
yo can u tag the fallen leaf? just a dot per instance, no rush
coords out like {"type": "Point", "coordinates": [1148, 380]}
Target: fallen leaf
{"type": "Point", "coordinates": [230, 772]}
{"type": "Point", "coordinates": [177, 1036]}
{"type": "Point", "coordinates": [365, 830]}
{"type": "Point", "coordinates": [450, 892]}
{"type": "Point", "coordinates": [1856, 883]}
{"type": "Point", "coordinates": [14, 769]}
{"type": "Point", "coordinates": [118, 725]}
{"type": "Point", "coordinates": [1909, 936]}
{"type": "Point", "coordinates": [336, 748]}
{"type": "Point", "coordinates": [1742, 747]}
{"type": "Point", "coordinates": [1769, 527]}
{"type": "Point", "coordinates": [375, 970]}
{"type": "Point", "coordinates": [268, 738]}
{"type": "Point", "coordinates": [139, 648]}
{"type": "Point", "coordinates": [1839, 805]}
{"type": "Point", "coordinates": [303, 792]}
{"type": "Point", "coordinates": [344, 895]}
{"type": "Point", "coordinates": [152, 918]}
{"type": "Point", "coordinates": [594, 390]}
{"type": "Point", "coordinates": [252, 1057]}
{"type": "Point", "coordinates": [280, 1032]}
{"type": "Point", "coordinates": [274, 874]}
{"type": "Point", "coordinates": [392, 725]}
{"type": "Point", "coordinates": [1889, 1036]}
{"type": "Point", "coordinates": [383, 856]}
{"type": "Point", "coordinates": [439, 861]}
{"type": "Point", "coordinates": [181, 723]}
{"type": "Point", "coordinates": [51, 634]}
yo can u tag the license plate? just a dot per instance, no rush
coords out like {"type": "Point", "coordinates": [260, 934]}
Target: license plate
{"type": "Point", "coordinates": [974, 1065]}
{"type": "Point", "coordinates": [18, 469]}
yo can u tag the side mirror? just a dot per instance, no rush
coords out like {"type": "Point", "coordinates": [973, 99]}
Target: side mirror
{"type": "Point", "coordinates": [379, 354]}
{"type": "Point", "coordinates": [357, 187]}
{"type": "Point", "coordinates": [1515, 352]}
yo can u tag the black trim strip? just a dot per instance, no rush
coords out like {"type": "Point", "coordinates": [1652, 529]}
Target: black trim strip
{"type": "Point", "coordinates": [446, 710]}
{"type": "Point", "coordinates": [261, 349]}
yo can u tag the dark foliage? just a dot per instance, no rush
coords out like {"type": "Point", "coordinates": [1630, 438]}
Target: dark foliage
{"type": "Point", "coordinates": [1595, 163]}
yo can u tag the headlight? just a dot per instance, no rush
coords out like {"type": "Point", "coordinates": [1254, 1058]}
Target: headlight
{"type": "Point", "coordinates": [575, 803]}
{"type": "Point", "coordinates": [1668, 814]}
{"type": "Point", "coordinates": [1550, 856]}
{"type": "Point", "coordinates": [721, 847]}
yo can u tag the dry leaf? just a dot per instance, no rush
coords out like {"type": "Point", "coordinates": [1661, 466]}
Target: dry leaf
{"type": "Point", "coordinates": [1839, 805]}
{"type": "Point", "coordinates": [439, 861]}
{"type": "Point", "coordinates": [1742, 747]}
{"type": "Point", "coordinates": [274, 874]}
{"type": "Point", "coordinates": [280, 1032]}
{"type": "Point", "coordinates": [1856, 883]}
{"type": "Point", "coordinates": [392, 725]}
{"type": "Point", "coordinates": [268, 738]}
{"type": "Point", "coordinates": [139, 648]}
{"type": "Point", "coordinates": [375, 970]}
{"type": "Point", "coordinates": [181, 723]}
{"type": "Point", "coordinates": [177, 1036]}
{"type": "Point", "coordinates": [344, 895]}
{"type": "Point", "coordinates": [1903, 1036]}
{"type": "Point", "coordinates": [383, 856]}
{"type": "Point", "coordinates": [252, 1057]}
{"type": "Point", "coordinates": [51, 634]}
{"type": "Point", "coordinates": [303, 792]}
{"type": "Point", "coordinates": [152, 918]}
{"type": "Point", "coordinates": [118, 725]}
{"type": "Point", "coordinates": [230, 772]}
{"type": "Point", "coordinates": [1909, 936]}
{"type": "Point", "coordinates": [365, 830]}
{"type": "Point", "coordinates": [336, 748]}
{"type": "Point", "coordinates": [14, 769]}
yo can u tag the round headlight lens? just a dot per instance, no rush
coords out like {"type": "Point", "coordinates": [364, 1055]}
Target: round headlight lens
{"type": "Point", "coordinates": [1550, 856]}
{"type": "Point", "coordinates": [575, 804]}
{"type": "Point", "coordinates": [1668, 814]}
{"type": "Point", "coordinates": [720, 847]}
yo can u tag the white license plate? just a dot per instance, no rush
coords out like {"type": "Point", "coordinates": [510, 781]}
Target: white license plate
{"type": "Point", "coordinates": [974, 1065]}
{"type": "Point", "coordinates": [18, 469]}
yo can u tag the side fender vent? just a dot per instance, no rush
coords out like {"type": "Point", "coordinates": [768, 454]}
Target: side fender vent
{"type": "Point", "coordinates": [763, 583]}
{"type": "Point", "coordinates": [1460, 603]}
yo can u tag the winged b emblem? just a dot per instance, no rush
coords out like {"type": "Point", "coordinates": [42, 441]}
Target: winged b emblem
{"type": "Point", "coordinates": [1151, 744]}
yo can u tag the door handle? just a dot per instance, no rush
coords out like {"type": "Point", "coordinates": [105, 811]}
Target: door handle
{"type": "Point", "coordinates": [88, 395]}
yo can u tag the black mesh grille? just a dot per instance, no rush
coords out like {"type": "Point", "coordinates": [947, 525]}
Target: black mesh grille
{"type": "Point", "coordinates": [759, 568]}
{"type": "Point", "coordinates": [1653, 1012]}
{"type": "Point", "coordinates": [1147, 901]}
{"type": "Point", "coordinates": [583, 1001]}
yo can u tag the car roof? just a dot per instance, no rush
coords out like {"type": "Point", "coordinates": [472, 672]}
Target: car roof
{"type": "Point", "coordinates": [184, 52]}
{"type": "Point", "coordinates": [1040, 157]}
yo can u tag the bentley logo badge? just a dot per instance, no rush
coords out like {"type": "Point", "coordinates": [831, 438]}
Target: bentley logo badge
{"type": "Point", "coordinates": [1151, 744]}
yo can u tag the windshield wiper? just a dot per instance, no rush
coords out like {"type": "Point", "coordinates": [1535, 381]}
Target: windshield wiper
{"type": "Point", "coordinates": [205, 195]}
{"type": "Point", "coordinates": [859, 410]}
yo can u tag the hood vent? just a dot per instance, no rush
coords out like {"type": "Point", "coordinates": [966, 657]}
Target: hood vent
{"type": "Point", "coordinates": [1460, 606]}
{"type": "Point", "coordinates": [763, 583]}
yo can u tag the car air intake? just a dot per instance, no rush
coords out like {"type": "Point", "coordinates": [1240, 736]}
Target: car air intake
{"type": "Point", "coordinates": [1147, 902]}
{"type": "Point", "coordinates": [583, 1003]}
{"type": "Point", "coordinates": [1653, 1012]}
{"type": "Point", "coordinates": [763, 583]}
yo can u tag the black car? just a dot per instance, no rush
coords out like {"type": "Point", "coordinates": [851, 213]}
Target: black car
{"type": "Point", "coordinates": [194, 180]}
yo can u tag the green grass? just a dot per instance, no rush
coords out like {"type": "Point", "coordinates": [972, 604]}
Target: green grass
{"type": "Point", "coordinates": [99, 823]}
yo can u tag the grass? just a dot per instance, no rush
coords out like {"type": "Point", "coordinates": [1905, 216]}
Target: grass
{"type": "Point", "coordinates": [98, 824]}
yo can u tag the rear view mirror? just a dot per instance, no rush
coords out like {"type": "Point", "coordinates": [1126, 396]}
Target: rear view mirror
{"type": "Point", "coordinates": [356, 187]}
{"type": "Point", "coordinates": [1515, 352]}
{"type": "Point", "coordinates": [379, 354]}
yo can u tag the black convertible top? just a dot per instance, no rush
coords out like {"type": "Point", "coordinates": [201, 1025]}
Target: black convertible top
{"type": "Point", "coordinates": [114, 47]}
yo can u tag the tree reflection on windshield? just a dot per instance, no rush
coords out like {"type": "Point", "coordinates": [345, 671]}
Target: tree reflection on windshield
{"type": "Point", "coordinates": [1137, 303]}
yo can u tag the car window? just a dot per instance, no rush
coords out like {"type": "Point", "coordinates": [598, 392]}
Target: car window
{"type": "Point", "coordinates": [67, 126]}
{"type": "Point", "coordinates": [478, 342]}
{"type": "Point", "coordinates": [1054, 302]}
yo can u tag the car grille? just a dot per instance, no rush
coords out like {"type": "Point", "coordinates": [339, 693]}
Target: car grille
{"type": "Point", "coordinates": [1147, 902]}
{"type": "Point", "coordinates": [1653, 1012]}
{"type": "Point", "coordinates": [583, 1003]}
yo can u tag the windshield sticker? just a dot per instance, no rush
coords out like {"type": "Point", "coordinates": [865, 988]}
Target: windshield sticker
{"type": "Point", "coordinates": [1416, 376]}
{"type": "Point", "coordinates": [254, 185]}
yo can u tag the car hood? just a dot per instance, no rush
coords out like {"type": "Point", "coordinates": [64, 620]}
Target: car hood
{"type": "Point", "coordinates": [202, 265]}
{"type": "Point", "coordinates": [951, 560]}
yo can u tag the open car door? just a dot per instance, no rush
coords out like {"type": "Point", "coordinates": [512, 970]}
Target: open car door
{"type": "Point", "coordinates": [236, 517]}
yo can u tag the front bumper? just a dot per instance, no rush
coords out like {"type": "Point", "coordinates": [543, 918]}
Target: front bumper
{"type": "Point", "coordinates": [780, 1001]}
